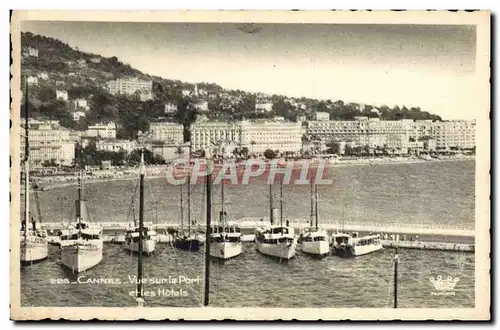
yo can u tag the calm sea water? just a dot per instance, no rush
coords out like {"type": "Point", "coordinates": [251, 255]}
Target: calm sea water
{"type": "Point", "coordinates": [424, 193]}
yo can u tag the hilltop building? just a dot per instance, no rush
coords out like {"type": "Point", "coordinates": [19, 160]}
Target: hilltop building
{"type": "Point", "coordinates": [170, 108]}
{"type": "Point", "coordinates": [61, 95]}
{"type": "Point", "coordinates": [30, 52]}
{"type": "Point", "coordinates": [32, 80]}
{"type": "Point", "coordinates": [321, 116]}
{"type": "Point", "coordinates": [130, 87]}
{"type": "Point", "coordinates": [263, 106]}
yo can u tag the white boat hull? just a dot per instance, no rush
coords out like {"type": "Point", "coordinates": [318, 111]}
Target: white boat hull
{"type": "Point", "coordinates": [79, 258]}
{"type": "Point", "coordinates": [34, 251]}
{"type": "Point", "coordinates": [282, 251]}
{"type": "Point", "coordinates": [226, 250]}
{"type": "Point", "coordinates": [362, 250]}
{"type": "Point", "coordinates": [148, 246]}
{"type": "Point", "coordinates": [319, 248]}
{"type": "Point", "coordinates": [356, 251]}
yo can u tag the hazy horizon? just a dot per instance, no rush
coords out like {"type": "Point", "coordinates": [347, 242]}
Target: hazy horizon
{"type": "Point", "coordinates": [429, 66]}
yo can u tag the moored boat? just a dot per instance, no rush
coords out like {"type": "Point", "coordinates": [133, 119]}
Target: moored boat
{"type": "Point", "coordinates": [275, 240]}
{"type": "Point", "coordinates": [132, 239]}
{"type": "Point", "coordinates": [81, 242]}
{"type": "Point", "coordinates": [225, 238]}
{"type": "Point", "coordinates": [149, 237]}
{"type": "Point", "coordinates": [187, 239]}
{"type": "Point", "coordinates": [348, 246]}
{"type": "Point", "coordinates": [33, 240]}
{"type": "Point", "coordinates": [314, 239]}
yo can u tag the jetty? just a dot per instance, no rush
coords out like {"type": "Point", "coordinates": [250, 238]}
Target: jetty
{"type": "Point", "coordinates": [252, 223]}
{"type": "Point", "coordinates": [423, 245]}
{"type": "Point", "coordinates": [409, 236]}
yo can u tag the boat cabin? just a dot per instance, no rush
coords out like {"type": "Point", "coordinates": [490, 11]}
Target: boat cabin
{"type": "Point", "coordinates": [81, 230]}
{"type": "Point", "coordinates": [133, 234]}
{"type": "Point", "coordinates": [367, 240]}
{"type": "Point", "coordinates": [225, 234]}
{"type": "Point", "coordinates": [281, 230]}
{"type": "Point", "coordinates": [224, 229]}
{"type": "Point", "coordinates": [342, 239]}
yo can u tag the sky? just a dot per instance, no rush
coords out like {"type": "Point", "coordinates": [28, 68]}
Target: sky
{"type": "Point", "coordinates": [430, 66]}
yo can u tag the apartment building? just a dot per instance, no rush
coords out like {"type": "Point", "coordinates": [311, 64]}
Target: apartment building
{"type": "Point", "coordinates": [459, 134]}
{"type": "Point", "coordinates": [259, 135]}
{"type": "Point", "coordinates": [201, 106]}
{"type": "Point", "coordinates": [107, 131]}
{"type": "Point", "coordinates": [130, 87]}
{"type": "Point", "coordinates": [61, 95]}
{"type": "Point", "coordinates": [170, 108]}
{"type": "Point", "coordinates": [256, 135]}
{"type": "Point", "coordinates": [263, 106]}
{"type": "Point", "coordinates": [169, 132]}
{"type": "Point", "coordinates": [49, 142]}
{"type": "Point", "coordinates": [401, 134]}
{"type": "Point", "coordinates": [30, 52]}
{"type": "Point", "coordinates": [115, 145]}
{"type": "Point", "coordinates": [206, 132]}
{"type": "Point", "coordinates": [363, 131]}
{"type": "Point", "coordinates": [321, 116]}
{"type": "Point", "coordinates": [81, 104]}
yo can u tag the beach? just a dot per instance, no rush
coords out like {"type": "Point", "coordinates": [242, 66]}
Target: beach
{"type": "Point", "coordinates": [159, 171]}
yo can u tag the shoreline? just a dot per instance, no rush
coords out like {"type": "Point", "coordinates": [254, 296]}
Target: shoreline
{"type": "Point", "coordinates": [158, 173]}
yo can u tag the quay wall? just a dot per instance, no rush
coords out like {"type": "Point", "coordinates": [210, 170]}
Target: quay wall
{"type": "Point", "coordinates": [440, 246]}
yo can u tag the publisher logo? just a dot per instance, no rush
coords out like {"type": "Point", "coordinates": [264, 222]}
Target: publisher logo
{"type": "Point", "coordinates": [443, 287]}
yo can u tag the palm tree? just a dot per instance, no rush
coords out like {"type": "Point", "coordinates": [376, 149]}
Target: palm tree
{"type": "Point", "coordinates": [244, 151]}
{"type": "Point", "coordinates": [252, 143]}
{"type": "Point", "coordinates": [178, 151]}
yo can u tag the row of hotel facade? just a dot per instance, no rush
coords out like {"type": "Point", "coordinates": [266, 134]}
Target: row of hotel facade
{"type": "Point", "coordinates": [50, 142]}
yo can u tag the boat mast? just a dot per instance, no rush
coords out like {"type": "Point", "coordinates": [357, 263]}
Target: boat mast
{"type": "Point", "coordinates": [79, 203]}
{"type": "Point", "coordinates": [189, 191]}
{"type": "Point", "coordinates": [281, 202]}
{"type": "Point", "coordinates": [311, 216]}
{"type": "Point", "coordinates": [182, 211]}
{"type": "Point", "coordinates": [189, 202]}
{"type": "Point", "coordinates": [209, 225]}
{"type": "Point", "coordinates": [222, 214]}
{"type": "Point", "coordinates": [141, 226]}
{"type": "Point", "coordinates": [396, 262]}
{"type": "Point", "coordinates": [26, 165]}
{"type": "Point", "coordinates": [316, 201]}
{"type": "Point", "coordinates": [271, 218]}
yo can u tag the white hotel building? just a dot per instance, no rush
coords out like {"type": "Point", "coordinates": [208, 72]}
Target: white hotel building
{"type": "Point", "coordinates": [130, 86]}
{"type": "Point", "coordinates": [454, 134]}
{"type": "Point", "coordinates": [206, 132]}
{"type": "Point", "coordinates": [372, 132]}
{"type": "Point", "coordinates": [172, 133]}
{"type": "Point", "coordinates": [116, 145]}
{"type": "Point", "coordinates": [257, 135]}
{"type": "Point", "coordinates": [48, 142]}
{"type": "Point", "coordinates": [106, 131]}
{"type": "Point", "coordinates": [395, 134]}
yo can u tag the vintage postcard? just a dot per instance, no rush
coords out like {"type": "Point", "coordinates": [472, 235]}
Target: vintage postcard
{"type": "Point", "coordinates": [250, 165]}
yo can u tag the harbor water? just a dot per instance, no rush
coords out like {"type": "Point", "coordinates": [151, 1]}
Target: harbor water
{"type": "Point", "coordinates": [422, 193]}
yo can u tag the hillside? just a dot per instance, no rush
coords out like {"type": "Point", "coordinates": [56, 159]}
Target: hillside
{"type": "Point", "coordinates": [84, 75]}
